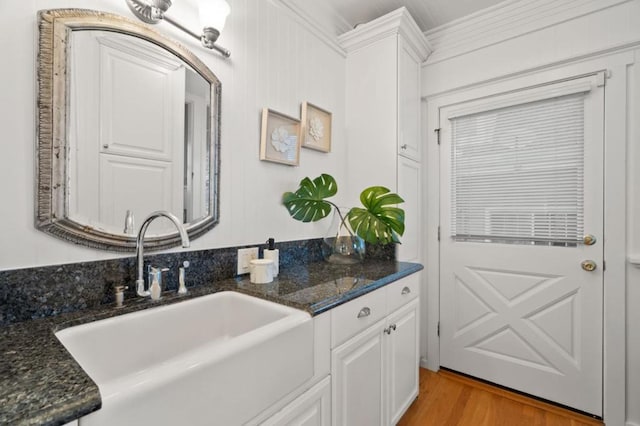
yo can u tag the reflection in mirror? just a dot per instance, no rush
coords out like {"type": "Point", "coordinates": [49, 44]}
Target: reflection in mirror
{"type": "Point", "coordinates": [137, 132]}
{"type": "Point", "coordinates": [138, 117]}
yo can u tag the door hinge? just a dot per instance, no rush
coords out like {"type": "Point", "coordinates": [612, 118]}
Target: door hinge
{"type": "Point", "coordinates": [438, 232]}
{"type": "Point", "coordinates": [437, 135]}
{"type": "Point", "coordinates": [438, 331]}
{"type": "Point", "coordinates": [604, 265]}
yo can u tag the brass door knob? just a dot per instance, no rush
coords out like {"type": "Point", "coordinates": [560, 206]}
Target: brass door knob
{"type": "Point", "coordinates": [589, 265]}
{"type": "Point", "coordinates": [589, 240]}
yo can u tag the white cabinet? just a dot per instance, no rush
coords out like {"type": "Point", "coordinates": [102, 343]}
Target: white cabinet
{"type": "Point", "coordinates": [402, 360]}
{"type": "Point", "coordinates": [357, 371]}
{"type": "Point", "coordinates": [408, 101]}
{"type": "Point", "coordinates": [383, 114]}
{"type": "Point", "coordinates": [312, 408]}
{"type": "Point", "coordinates": [375, 372]}
{"type": "Point", "coordinates": [383, 63]}
{"type": "Point", "coordinates": [409, 188]}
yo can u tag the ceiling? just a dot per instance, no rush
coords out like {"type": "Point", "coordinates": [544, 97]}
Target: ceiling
{"type": "Point", "coordinates": [428, 14]}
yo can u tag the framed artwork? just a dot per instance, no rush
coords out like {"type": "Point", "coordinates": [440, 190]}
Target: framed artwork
{"type": "Point", "coordinates": [316, 127]}
{"type": "Point", "coordinates": [280, 138]}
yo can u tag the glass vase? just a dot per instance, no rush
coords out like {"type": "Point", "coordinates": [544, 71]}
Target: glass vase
{"type": "Point", "coordinates": [341, 245]}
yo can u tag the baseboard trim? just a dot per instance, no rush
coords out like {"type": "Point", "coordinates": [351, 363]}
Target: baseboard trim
{"type": "Point", "coordinates": [423, 362]}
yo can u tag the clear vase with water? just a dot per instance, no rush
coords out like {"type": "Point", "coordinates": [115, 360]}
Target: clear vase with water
{"type": "Point", "coordinates": [341, 245]}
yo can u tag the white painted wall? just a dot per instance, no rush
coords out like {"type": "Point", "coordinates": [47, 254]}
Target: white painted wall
{"type": "Point", "coordinates": [276, 62]}
{"type": "Point", "coordinates": [633, 244]}
{"type": "Point", "coordinates": [594, 36]}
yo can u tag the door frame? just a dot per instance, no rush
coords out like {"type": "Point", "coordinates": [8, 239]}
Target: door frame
{"type": "Point", "coordinates": [615, 215]}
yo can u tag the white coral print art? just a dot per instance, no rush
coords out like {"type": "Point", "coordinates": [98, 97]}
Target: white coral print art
{"type": "Point", "coordinates": [282, 141]}
{"type": "Point", "coordinates": [316, 129]}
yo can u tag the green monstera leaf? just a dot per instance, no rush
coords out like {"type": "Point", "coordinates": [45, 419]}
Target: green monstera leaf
{"type": "Point", "coordinates": [380, 222]}
{"type": "Point", "coordinates": [308, 203]}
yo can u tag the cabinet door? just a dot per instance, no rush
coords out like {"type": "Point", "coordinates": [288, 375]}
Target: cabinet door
{"type": "Point", "coordinates": [312, 408]}
{"type": "Point", "coordinates": [402, 360]}
{"type": "Point", "coordinates": [409, 177]}
{"type": "Point", "coordinates": [408, 102]}
{"type": "Point", "coordinates": [356, 370]}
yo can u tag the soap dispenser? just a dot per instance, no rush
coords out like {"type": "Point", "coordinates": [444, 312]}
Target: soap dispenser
{"type": "Point", "coordinates": [155, 288]}
{"type": "Point", "coordinates": [271, 252]}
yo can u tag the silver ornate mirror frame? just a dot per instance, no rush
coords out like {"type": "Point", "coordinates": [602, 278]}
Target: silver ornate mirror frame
{"type": "Point", "coordinates": [55, 27]}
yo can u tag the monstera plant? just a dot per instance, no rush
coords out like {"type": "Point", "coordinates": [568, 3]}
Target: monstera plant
{"type": "Point", "coordinates": [379, 221]}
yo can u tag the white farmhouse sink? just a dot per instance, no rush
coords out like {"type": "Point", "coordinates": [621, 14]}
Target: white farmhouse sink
{"type": "Point", "coordinates": [215, 360]}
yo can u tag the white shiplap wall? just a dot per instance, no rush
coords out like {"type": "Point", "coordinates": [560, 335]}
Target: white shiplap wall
{"type": "Point", "coordinates": [276, 62]}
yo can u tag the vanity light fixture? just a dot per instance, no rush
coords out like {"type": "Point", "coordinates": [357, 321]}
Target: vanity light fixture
{"type": "Point", "coordinates": [213, 14]}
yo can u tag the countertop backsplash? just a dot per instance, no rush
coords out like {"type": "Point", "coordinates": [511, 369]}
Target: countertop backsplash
{"type": "Point", "coordinates": [32, 293]}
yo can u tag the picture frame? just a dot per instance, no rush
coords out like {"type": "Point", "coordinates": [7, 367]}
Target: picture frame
{"type": "Point", "coordinates": [316, 127]}
{"type": "Point", "coordinates": [279, 138]}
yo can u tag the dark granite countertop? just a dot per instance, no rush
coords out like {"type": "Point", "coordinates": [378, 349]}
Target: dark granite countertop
{"type": "Point", "coordinates": [40, 383]}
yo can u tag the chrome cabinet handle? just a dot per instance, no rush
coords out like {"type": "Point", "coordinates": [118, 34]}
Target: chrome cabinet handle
{"type": "Point", "coordinates": [389, 329]}
{"type": "Point", "coordinates": [364, 312]}
{"type": "Point", "coordinates": [403, 146]}
{"type": "Point", "coordinates": [406, 290]}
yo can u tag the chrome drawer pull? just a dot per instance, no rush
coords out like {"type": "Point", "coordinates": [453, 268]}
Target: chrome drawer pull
{"type": "Point", "coordinates": [389, 329]}
{"type": "Point", "coordinates": [364, 312]}
{"type": "Point", "coordinates": [406, 290]}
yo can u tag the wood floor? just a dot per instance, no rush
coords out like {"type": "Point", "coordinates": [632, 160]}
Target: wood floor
{"type": "Point", "coordinates": [448, 399]}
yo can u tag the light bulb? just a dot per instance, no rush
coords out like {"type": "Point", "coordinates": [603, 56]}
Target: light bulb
{"type": "Point", "coordinates": [213, 13]}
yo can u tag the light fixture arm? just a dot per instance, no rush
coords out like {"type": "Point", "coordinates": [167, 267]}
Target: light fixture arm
{"type": "Point", "coordinates": [156, 12]}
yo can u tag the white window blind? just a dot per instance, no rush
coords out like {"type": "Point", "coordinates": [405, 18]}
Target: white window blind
{"type": "Point", "coordinates": [517, 173]}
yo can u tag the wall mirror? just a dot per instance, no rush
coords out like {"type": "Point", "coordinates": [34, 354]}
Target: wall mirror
{"type": "Point", "coordinates": [128, 121]}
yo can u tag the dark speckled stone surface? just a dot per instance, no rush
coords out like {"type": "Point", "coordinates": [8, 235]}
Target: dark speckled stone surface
{"type": "Point", "coordinates": [40, 292]}
{"type": "Point", "coordinates": [40, 383]}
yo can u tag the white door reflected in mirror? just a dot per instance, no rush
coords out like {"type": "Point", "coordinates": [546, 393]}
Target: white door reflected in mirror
{"type": "Point", "coordinates": [138, 120]}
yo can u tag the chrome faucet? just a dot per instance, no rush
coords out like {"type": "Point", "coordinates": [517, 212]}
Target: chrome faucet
{"type": "Point", "coordinates": [140, 290]}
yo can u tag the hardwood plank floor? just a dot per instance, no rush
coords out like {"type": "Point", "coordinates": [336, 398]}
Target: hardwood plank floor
{"type": "Point", "coordinates": [449, 399]}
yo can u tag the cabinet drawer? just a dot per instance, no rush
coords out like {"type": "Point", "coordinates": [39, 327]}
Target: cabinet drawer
{"type": "Point", "coordinates": [402, 291]}
{"type": "Point", "coordinates": [356, 315]}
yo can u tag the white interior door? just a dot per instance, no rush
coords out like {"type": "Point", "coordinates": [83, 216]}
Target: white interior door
{"type": "Point", "coordinates": [521, 184]}
{"type": "Point", "coordinates": [128, 134]}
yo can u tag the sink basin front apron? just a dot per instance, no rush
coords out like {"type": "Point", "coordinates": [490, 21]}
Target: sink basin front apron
{"type": "Point", "coordinates": [216, 360]}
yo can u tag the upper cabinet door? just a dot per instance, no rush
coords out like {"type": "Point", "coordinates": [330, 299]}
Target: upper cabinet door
{"type": "Point", "coordinates": [409, 187]}
{"type": "Point", "coordinates": [408, 102]}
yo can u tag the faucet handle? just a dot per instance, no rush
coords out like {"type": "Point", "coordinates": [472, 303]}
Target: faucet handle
{"type": "Point", "coordinates": [182, 288]}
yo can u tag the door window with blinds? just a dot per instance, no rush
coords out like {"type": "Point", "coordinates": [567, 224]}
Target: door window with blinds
{"type": "Point", "coordinates": [517, 172]}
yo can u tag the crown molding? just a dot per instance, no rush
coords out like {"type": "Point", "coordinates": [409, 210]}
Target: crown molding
{"type": "Point", "coordinates": [505, 21]}
{"type": "Point", "coordinates": [397, 22]}
{"type": "Point", "coordinates": [311, 25]}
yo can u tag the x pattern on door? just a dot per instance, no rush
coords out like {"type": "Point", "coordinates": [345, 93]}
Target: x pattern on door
{"type": "Point", "coordinates": [506, 315]}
